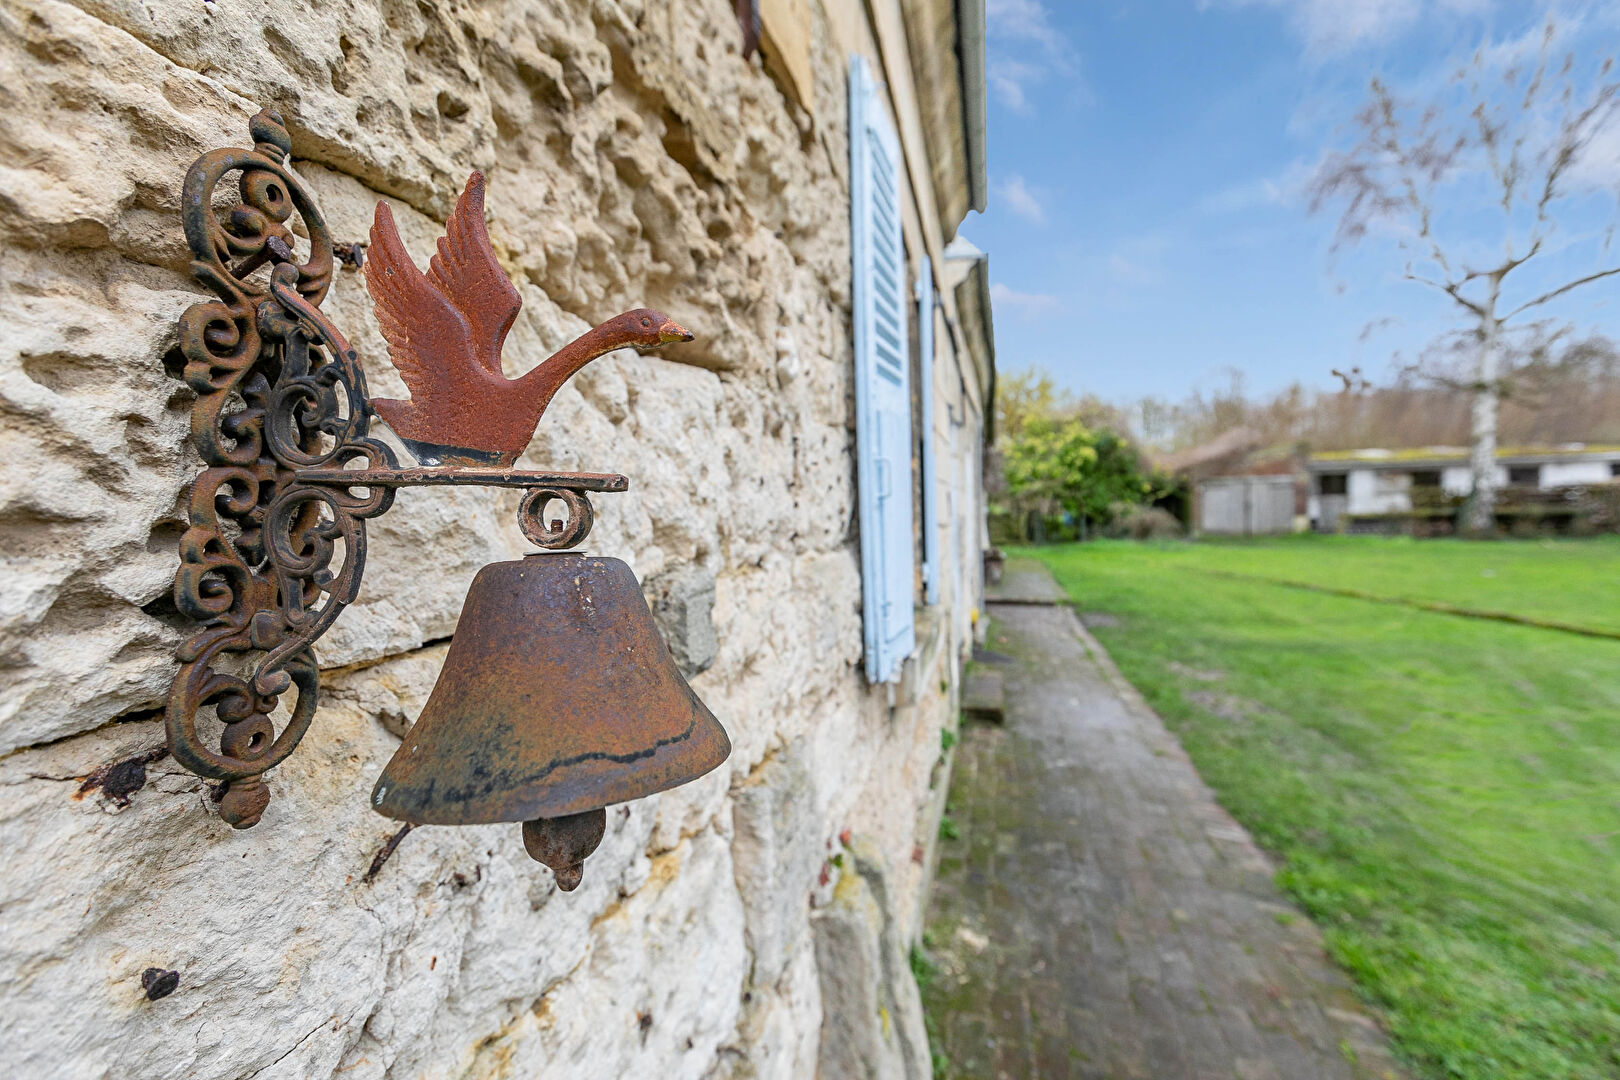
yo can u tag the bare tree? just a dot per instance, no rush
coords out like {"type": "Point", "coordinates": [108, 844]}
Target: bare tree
{"type": "Point", "coordinates": [1517, 133]}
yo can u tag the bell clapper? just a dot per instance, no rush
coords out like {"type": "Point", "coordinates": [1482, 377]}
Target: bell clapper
{"type": "Point", "coordinates": [563, 843]}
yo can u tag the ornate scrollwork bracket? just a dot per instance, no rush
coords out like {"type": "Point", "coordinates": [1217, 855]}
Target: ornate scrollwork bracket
{"type": "Point", "coordinates": [276, 542]}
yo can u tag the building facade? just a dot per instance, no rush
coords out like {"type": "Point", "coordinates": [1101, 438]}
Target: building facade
{"type": "Point", "coordinates": [825, 565]}
{"type": "Point", "coordinates": [1377, 481]}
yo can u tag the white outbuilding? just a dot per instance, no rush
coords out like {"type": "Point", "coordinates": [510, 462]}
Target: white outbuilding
{"type": "Point", "coordinates": [1379, 481]}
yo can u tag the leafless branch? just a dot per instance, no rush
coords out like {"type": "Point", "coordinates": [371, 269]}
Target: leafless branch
{"type": "Point", "coordinates": [1513, 264]}
{"type": "Point", "coordinates": [1451, 289]}
{"type": "Point", "coordinates": [1561, 290]}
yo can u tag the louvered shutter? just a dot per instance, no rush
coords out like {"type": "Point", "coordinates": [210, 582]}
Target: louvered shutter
{"type": "Point", "coordinates": [930, 493]}
{"type": "Point", "coordinates": [882, 393]}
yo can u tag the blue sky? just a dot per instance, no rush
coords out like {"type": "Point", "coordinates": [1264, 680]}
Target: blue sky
{"type": "Point", "coordinates": [1148, 226]}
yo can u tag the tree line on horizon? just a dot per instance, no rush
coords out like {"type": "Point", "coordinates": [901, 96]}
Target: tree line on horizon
{"type": "Point", "coordinates": [1566, 392]}
{"type": "Point", "coordinates": [1072, 463]}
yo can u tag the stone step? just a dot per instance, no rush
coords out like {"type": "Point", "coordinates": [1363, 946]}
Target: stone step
{"type": "Point", "coordinates": [984, 697]}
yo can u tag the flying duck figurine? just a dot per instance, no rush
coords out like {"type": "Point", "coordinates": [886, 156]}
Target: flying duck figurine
{"type": "Point", "coordinates": [445, 329]}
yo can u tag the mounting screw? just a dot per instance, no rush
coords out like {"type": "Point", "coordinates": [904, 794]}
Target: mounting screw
{"type": "Point", "coordinates": [352, 255]}
{"type": "Point", "coordinates": [280, 250]}
{"type": "Point", "coordinates": [159, 983]}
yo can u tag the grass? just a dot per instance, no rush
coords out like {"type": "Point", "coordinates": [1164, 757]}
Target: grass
{"type": "Point", "coordinates": [924, 972]}
{"type": "Point", "coordinates": [1442, 792]}
{"type": "Point", "coordinates": [1570, 581]}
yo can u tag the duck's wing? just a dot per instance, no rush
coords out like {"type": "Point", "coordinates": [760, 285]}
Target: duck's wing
{"type": "Point", "coordinates": [429, 340]}
{"type": "Point", "coordinates": [465, 270]}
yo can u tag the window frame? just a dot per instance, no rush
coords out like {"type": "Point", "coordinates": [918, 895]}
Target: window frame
{"type": "Point", "coordinates": [1341, 481]}
{"type": "Point", "coordinates": [1518, 480]}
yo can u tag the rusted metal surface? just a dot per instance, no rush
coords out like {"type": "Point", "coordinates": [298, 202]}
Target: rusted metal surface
{"type": "Point", "coordinates": [564, 843]}
{"type": "Point", "coordinates": [352, 255]}
{"type": "Point", "coordinates": [543, 487]}
{"type": "Point", "coordinates": [119, 780]}
{"type": "Point", "coordinates": [445, 329]}
{"type": "Point", "coordinates": [276, 391]}
{"type": "Point", "coordinates": [276, 543]}
{"type": "Point", "coordinates": [559, 696]}
{"type": "Point", "coordinates": [386, 852]}
{"type": "Point", "coordinates": [556, 533]}
{"type": "Point", "coordinates": [511, 478]}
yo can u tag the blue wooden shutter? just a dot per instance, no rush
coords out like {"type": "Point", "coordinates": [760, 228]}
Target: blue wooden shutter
{"type": "Point", "coordinates": [930, 504]}
{"type": "Point", "coordinates": [882, 370]}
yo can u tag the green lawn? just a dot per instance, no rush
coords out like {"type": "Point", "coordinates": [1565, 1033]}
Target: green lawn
{"type": "Point", "coordinates": [1570, 581]}
{"type": "Point", "coordinates": [1442, 792]}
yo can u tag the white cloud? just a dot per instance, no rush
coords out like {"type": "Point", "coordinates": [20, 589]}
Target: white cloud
{"type": "Point", "coordinates": [1335, 25]}
{"type": "Point", "coordinates": [1598, 166]}
{"type": "Point", "coordinates": [1025, 49]}
{"type": "Point", "coordinates": [1289, 186]}
{"type": "Point", "coordinates": [1020, 200]}
{"type": "Point", "coordinates": [1008, 78]}
{"type": "Point", "coordinates": [1021, 304]}
{"type": "Point", "coordinates": [1496, 71]}
{"type": "Point", "coordinates": [1137, 262]}
{"type": "Point", "coordinates": [1019, 19]}
{"type": "Point", "coordinates": [1124, 271]}
{"type": "Point", "coordinates": [1245, 196]}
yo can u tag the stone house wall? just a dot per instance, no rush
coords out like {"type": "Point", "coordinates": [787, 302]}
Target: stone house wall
{"type": "Point", "coordinates": [753, 923]}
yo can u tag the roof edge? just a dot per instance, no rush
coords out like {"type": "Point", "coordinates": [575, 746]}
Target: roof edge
{"type": "Point", "coordinates": [1453, 455]}
{"type": "Point", "coordinates": [970, 35]}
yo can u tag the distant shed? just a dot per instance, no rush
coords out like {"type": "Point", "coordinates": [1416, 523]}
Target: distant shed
{"type": "Point", "coordinates": [1246, 505]}
{"type": "Point", "coordinates": [1240, 486]}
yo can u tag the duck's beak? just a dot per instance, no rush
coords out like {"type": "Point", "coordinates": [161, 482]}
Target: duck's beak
{"type": "Point", "coordinates": [672, 331]}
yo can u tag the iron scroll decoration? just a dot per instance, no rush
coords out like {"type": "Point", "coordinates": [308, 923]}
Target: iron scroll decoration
{"type": "Point", "coordinates": [276, 539]}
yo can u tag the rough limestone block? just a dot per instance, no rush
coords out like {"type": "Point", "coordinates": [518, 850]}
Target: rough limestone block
{"type": "Point", "coordinates": [873, 1022]}
{"type": "Point", "coordinates": [777, 852]}
{"type": "Point", "coordinates": [683, 606]}
{"type": "Point", "coordinates": [779, 1030]}
{"type": "Point", "coordinates": [107, 112]}
{"type": "Point", "coordinates": [319, 968]}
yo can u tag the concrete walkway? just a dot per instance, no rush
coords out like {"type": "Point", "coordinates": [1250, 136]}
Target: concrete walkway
{"type": "Point", "coordinates": [1099, 914]}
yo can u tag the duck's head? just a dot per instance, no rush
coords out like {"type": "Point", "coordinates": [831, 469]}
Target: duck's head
{"type": "Point", "coordinates": [648, 329]}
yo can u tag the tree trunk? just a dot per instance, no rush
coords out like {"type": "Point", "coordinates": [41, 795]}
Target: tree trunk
{"type": "Point", "coordinates": [1487, 396]}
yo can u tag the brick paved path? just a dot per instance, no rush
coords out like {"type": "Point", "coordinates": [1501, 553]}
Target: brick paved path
{"type": "Point", "coordinates": [1099, 915]}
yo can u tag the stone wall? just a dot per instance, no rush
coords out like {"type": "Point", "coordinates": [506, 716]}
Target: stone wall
{"type": "Point", "coordinates": [634, 157]}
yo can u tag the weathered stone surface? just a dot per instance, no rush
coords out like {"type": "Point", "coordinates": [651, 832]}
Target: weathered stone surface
{"type": "Point", "coordinates": [984, 696]}
{"type": "Point", "coordinates": [779, 848]}
{"type": "Point", "coordinates": [778, 1033]}
{"type": "Point", "coordinates": [865, 974]}
{"type": "Point", "coordinates": [683, 606]}
{"type": "Point", "coordinates": [634, 157]}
